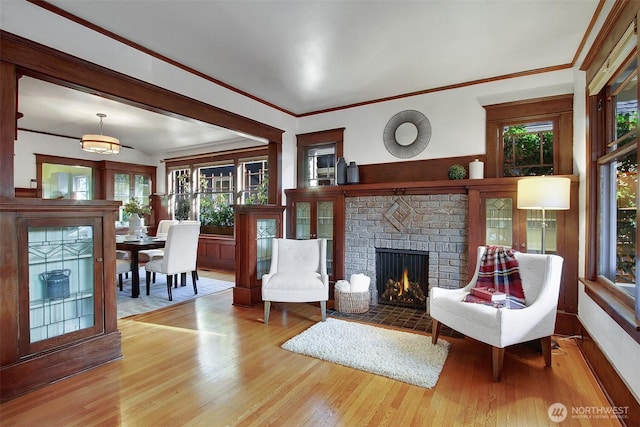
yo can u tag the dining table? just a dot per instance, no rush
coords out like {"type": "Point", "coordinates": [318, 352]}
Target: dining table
{"type": "Point", "coordinates": [134, 247]}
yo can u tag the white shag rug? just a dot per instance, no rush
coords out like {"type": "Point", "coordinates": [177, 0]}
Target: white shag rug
{"type": "Point", "coordinates": [403, 356]}
{"type": "Point", "coordinates": [159, 298]}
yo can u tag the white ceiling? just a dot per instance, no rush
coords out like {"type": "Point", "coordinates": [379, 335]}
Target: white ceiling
{"type": "Point", "coordinates": [305, 56]}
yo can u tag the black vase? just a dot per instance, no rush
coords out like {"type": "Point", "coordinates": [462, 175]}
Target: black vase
{"type": "Point", "coordinates": [341, 171]}
{"type": "Point", "coordinates": [353, 174]}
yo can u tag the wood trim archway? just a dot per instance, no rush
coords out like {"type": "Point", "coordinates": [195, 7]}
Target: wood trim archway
{"type": "Point", "coordinates": [20, 56]}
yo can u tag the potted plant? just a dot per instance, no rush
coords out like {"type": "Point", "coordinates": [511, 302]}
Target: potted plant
{"type": "Point", "coordinates": [216, 216]}
{"type": "Point", "coordinates": [135, 210]}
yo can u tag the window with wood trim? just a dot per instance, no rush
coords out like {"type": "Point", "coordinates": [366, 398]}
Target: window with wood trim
{"type": "Point", "coordinates": [614, 181]}
{"type": "Point", "coordinates": [532, 137]}
{"type": "Point", "coordinates": [200, 185]}
{"type": "Point", "coordinates": [318, 153]}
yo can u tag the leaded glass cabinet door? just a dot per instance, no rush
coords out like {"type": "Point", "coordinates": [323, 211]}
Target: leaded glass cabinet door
{"type": "Point", "coordinates": [62, 282]}
{"type": "Point", "coordinates": [266, 231]}
{"type": "Point", "coordinates": [315, 220]}
{"type": "Point", "coordinates": [506, 225]}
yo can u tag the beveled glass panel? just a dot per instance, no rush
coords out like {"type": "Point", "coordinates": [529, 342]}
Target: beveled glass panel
{"type": "Point", "coordinates": [266, 231]}
{"type": "Point", "coordinates": [325, 229]}
{"type": "Point", "coordinates": [499, 222]}
{"type": "Point", "coordinates": [303, 220]}
{"type": "Point", "coordinates": [534, 231]}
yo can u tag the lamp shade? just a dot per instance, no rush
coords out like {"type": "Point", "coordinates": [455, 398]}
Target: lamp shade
{"type": "Point", "coordinates": [544, 192]}
{"type": "Point", "coordinates": [100, 144]}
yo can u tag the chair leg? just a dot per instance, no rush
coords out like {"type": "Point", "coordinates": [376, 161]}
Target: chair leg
{"type": "Point", "coordinates": [183, 279]}
{"type": "Point", "coordinates": [154, 277]}
{"type": "Point", "coordinates": [545, 344]}
{"type": "Point", "coordinates": [120, 281]}
{"type": "Point", "coordinates": [169, 284]}
{"type": "Point", "coordinates": [197, 277]}
{"type": "Point", "coordinates": [435, 331]}
{"type": "Point", "coordinates": [498, 359]}
{"type": "Point", "coordinates": [323, 310]}
{"type": "Point", "coordinates": [267, 309]}
{"type": "Point", "coordinates": [175, 281]}
{"type": "Point", "coordinates": [147, 280]}
{"type": "Point", "coordinates": [194, 277]}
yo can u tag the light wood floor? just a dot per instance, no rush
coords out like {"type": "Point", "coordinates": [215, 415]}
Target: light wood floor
{"type": "Point", "coordinates": [207, 362]}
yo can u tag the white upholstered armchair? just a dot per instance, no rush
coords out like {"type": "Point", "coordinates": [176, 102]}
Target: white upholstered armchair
{"type": "Point", "coordinates": [501, 327]}
{"type": "Point", "coordinates": [298, 273]}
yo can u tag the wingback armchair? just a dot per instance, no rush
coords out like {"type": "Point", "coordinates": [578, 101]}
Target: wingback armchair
{"type": "Point", "coordinates": [502, 327]}
{"type": "Point", "coordinates": [298, 273]}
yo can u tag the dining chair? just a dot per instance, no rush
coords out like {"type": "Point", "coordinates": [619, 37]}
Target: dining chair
{"type": "Point", "coordinates": [180, 256]}
{"type": "Point", "coordinates": [123, 266]}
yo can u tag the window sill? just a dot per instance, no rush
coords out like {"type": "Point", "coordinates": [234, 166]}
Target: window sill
{"type": "Point", "coordinates": [617, 305]}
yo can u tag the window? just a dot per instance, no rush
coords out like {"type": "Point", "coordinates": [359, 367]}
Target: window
{"type": "Point", "coordinates": [320, 165]}
{"type": "Point", "coordinates": [531, 137]}
{"type": "Point", "coordinates": [317, 156]}
{"type": "Point", "coordinates": [527, 149]}
{"type": "Point", "coordinates": [66, 182]}
{"type": "Point", "coordinates": [617, 182]}
{"type": "Point", "coordinates": [180, 193]}
{"type": "Point", "coordinates": [216, 185]}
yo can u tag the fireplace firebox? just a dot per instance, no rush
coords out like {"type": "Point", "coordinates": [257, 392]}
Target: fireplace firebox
{"type": "Point", "coordinates": [402, 277]}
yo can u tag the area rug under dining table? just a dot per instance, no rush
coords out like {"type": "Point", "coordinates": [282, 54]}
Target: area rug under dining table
{"type": "Point", "coordinates": [158, 297]}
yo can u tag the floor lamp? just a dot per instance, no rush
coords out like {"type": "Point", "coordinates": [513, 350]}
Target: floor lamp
{"type": "Point", "coordinates": [544, 193]}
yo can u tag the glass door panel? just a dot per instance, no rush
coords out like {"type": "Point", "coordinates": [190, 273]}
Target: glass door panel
{"type": "Point", "coordinates": [325, 229]}
{"type": "Point", "coordinates": [534, 231]}
{"type": "Point", "coordinates": [303, 220]}
{"type": "Point", "coordinates": [61, 280]}
{"type": "Point", "coordinates": [499, 221]}
{"type": "Point", "coordinates": [266, 231]}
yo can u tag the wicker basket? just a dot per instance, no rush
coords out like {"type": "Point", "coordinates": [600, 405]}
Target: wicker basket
{"type": "Point", "coordinates": [351, 302]}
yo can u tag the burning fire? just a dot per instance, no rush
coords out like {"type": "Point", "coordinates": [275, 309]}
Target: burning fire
{"type": "Point", "coordinates": [405, 282]}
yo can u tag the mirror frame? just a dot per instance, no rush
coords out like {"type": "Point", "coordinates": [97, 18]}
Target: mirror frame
{"type": "Point", "coordinates": [406, 151]}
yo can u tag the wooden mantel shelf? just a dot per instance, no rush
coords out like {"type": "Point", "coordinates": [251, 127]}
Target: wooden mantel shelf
{"type": "Point", "coordinates": [460, 186]}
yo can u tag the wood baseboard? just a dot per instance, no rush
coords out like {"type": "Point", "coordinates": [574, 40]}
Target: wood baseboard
{"type": "Point", "coordinates": [614, 387]}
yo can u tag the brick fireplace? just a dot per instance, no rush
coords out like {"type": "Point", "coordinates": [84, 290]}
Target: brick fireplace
{"type": "Point", "coordinates": [435, 223]}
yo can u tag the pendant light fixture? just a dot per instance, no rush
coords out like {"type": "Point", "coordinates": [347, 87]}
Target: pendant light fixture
{"type": "Point", "coordinates": [100, 144]}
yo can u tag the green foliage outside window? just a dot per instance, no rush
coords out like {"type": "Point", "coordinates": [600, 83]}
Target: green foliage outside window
{"type": "Point", "coordinates": [528, 151]}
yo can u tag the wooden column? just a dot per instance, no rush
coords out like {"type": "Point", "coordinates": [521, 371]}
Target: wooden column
{"type": "Point", "coordinates": [248, 289]}
{"type": "Point", "coordinates": [8, 127]}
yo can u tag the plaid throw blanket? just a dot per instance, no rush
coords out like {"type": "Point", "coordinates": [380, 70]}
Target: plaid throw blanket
{"type": "Point", "coordinates": [499, 270]}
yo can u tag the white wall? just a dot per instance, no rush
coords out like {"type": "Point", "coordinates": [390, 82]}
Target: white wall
{"type": "Point", "coordinates": [457, 117]}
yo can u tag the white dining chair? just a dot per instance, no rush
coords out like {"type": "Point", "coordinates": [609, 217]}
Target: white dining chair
{"type": "Point", "coordinates": [180, 256]}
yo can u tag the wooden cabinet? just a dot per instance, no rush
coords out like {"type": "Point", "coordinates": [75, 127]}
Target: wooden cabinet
{"type": "Point", "coordinates": [319, 216]}
{"type": "Point", "coordinates": [58, 307]}
{"type": "Point", "coordinates": [256, 227]}
{"type": "Point", "coordinates": [494, 219]}
{"type": "Point", "coordinates": [123, 181]}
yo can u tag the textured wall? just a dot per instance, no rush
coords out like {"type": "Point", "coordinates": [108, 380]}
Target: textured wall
{"type": "Point", "coordinates": [434, 223]}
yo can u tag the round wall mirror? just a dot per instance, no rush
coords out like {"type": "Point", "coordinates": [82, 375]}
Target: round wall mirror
{"type": "Point", "coordinates": [407, 134]}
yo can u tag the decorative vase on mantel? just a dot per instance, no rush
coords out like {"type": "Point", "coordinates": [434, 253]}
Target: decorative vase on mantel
{"type": "Point", "coordinates": [341, 171]}
{"type": "Point", "coordinates": [353, 174]}
{"type": "Point", "coordinates": [135, 223]}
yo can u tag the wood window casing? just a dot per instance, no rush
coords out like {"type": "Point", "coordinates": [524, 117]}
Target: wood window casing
{"type": "Point", "coordinates": [558, 109]}
{"type": "Point", "coordinates": [619, 306]}
{"type": "Point", "coordinates": [319, 138]}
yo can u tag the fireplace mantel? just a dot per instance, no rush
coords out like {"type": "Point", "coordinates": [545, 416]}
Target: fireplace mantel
{"type": "Point", "coordinates": [461, 186]}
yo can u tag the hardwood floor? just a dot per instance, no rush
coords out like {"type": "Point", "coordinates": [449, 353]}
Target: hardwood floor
{"type": "Point", "coordinates": [207, 362]}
